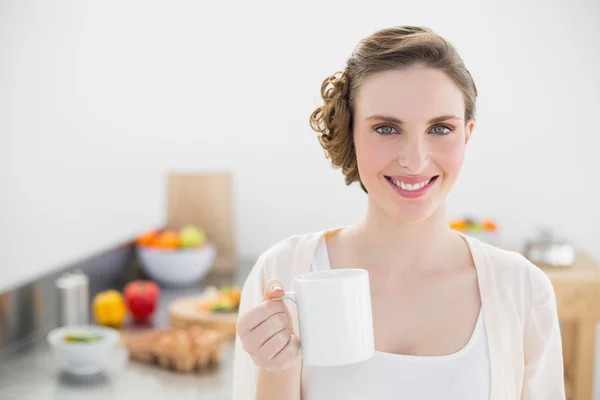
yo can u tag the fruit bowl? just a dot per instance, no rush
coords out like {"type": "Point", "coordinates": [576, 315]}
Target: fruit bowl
{"type": "Point", "coordinates": [176, 258]}
{"type": "Point", "coordinates": [177, 267]}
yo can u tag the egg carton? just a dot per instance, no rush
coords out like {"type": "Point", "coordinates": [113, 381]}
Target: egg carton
{"type": "Point", "coordinates": [182, 350]}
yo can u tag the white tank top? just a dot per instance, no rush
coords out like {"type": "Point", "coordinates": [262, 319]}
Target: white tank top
{"type": "Point", "coordinates": [464, 375]}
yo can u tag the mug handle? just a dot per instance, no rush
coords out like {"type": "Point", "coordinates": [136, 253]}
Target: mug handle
{"type": "Point", "coordinates": [288, 295]}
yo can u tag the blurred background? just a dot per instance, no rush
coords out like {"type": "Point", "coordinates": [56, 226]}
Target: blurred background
{"type": "Point", "coordinates": [104, 103]}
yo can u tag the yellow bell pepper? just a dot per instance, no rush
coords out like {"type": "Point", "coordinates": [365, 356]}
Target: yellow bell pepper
{"type": "Point", "coordinates": [110, 308]}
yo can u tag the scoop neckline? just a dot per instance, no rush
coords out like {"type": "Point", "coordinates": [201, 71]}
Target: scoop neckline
{"type": "Point", "coordinates": [322, 245]}
{"type": "Point", "coordinates": [445, 357]}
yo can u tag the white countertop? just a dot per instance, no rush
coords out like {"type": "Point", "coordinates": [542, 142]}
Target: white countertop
{"type": "Point", "coordinates": [32, 373]}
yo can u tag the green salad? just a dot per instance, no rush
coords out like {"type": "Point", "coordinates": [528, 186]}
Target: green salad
{"type": "Point", "coordinates": [88, 337]}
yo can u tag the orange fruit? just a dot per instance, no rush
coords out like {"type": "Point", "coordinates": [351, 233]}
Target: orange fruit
{"type": "Point", "coordinates": [459, 225]}
{"type": "Point", "coordinates": [235, 295]}
{"type": "Point", "coordinates": [489, 225]}
{"type": "Point", "coordinates": [169, 239]}
{"type": "Point", "coordinates": [148, 238]}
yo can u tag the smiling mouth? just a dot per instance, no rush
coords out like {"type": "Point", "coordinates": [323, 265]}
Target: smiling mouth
{"type": "Point", "coordinates": [412, 187]}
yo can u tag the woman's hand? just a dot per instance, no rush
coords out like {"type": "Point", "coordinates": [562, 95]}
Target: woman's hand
{"type": "Point", "coordinates": [267, 333]}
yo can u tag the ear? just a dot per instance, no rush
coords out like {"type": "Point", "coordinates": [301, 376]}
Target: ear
{"type": "Point", "coordinates": [469, 127]}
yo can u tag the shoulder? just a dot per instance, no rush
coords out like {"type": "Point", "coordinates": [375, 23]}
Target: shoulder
{"type": "Point", "coordinates": [279, 262]}
{"type": "Point", "coordinates": [512, 270]}
{"type": "Point", "coordinates": [289, 247]}
{"type": "Point", "coordinates": [515, 264]}
{"type": "Point", "coordinates": [289, 256]}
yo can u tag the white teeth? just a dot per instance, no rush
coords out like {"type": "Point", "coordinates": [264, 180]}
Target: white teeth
{"type": "Point", "coordinates": [408, 186]}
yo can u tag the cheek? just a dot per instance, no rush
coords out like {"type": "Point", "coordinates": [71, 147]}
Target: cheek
{"type": "Point", "coordinates": [449, 156]}
{"type": "Point", "coordinates": [373, 153]}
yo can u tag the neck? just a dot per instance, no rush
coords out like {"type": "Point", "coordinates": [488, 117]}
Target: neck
{"type": "Point", "coordinates": [404, 245]}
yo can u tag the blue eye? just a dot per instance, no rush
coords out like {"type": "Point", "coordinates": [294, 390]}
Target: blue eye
{"type": "Point", "coordinates": [385, 130]}
{"type": "Point", "coordinates": [441, 130]}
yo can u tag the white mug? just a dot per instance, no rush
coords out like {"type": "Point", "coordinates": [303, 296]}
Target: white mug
{"type": "Point", "coordinates": [334, 316]}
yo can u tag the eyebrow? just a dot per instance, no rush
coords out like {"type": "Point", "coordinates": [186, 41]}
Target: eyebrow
{"type": "Point", "coordinates": [399, 122]}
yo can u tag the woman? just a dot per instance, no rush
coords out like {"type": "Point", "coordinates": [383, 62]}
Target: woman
{"type": "Point", "coordinates": [454, 318]}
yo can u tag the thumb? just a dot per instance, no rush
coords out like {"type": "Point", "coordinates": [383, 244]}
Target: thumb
{"type": "Point", "coordinates": [273, 290]}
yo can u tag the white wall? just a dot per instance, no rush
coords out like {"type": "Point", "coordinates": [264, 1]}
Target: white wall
{"type": "Point", "coordinates": [99, 98]}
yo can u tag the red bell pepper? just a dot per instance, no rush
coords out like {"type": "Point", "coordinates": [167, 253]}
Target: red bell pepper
{"type": "Point", "coordinates": [142, 299]}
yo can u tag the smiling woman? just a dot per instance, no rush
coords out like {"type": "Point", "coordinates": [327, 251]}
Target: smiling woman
{"type": "Point", "coordinates": [453, 318]}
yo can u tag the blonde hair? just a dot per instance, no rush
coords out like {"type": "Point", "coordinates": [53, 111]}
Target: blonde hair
{"type": "Point", "coordinates": [387, 49]}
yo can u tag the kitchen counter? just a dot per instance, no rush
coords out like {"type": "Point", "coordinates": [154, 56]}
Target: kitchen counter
{"type": "Point", "coordinates": [34, 375]}
{"type": "Point", "coordinates": [32, 372]}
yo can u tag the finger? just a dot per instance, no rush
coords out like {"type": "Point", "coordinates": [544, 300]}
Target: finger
{"type": "Point", "coordinates": [265, 331]}
{"type": "Point", "coordinates": [257, 315]}
{"type": "Point", "coordinates": [288, 355]}
{"type": "Point", "coordinates": [274, 345]}
{"type": "Point", "coordinates": [273, 289]}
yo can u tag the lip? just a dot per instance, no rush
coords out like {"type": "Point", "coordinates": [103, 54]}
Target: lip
{"type": "Point", "coordinates": [411, 179]}
{"type": "Point", "coordinates": [413, 194]}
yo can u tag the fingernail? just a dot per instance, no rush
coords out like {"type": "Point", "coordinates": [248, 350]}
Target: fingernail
{"type": "Point", "coordinates": [275, 287]}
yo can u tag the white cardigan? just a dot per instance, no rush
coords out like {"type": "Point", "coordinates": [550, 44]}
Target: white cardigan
{"type": "Point", "coordinates": [518, 302]}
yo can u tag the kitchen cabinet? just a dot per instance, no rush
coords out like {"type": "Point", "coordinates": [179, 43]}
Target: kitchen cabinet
{"type": "Point", "coordinates": [577, 291]}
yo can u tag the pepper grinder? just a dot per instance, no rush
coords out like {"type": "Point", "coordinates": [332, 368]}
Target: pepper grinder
{"type": "Point", "coordinates": [73, 295]}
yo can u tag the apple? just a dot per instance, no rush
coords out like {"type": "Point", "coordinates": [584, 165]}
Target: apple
{"type": "Point", "coordinates": [142, 299]}
{"type": "Point", "coordinates": [191, 236]}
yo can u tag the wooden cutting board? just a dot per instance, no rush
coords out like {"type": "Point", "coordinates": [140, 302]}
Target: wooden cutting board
{"type": "Point", "coordinates": [205, 200]}
{"type": "Point", "coordinates": [185, 313]}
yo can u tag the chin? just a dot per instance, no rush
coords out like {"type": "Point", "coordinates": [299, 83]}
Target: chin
{"type": "Point", "coordinates": [402, 210]}
{"type": "Point", "coordinates": [403, 213]}
{"type": "Point", "coordinates": [415, 206]}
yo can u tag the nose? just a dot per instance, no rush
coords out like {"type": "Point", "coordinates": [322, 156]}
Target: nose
{"type": "Point", "coordinates": [413, 154]}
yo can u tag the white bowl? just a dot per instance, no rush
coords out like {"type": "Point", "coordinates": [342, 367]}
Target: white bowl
{"type": "Point", "coordinates": [177, 268]}
{"type": "Point", "coordinates": [83, 358]}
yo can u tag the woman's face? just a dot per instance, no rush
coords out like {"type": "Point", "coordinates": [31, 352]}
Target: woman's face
{"type": "Point", "coordinates": [410, 138]}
